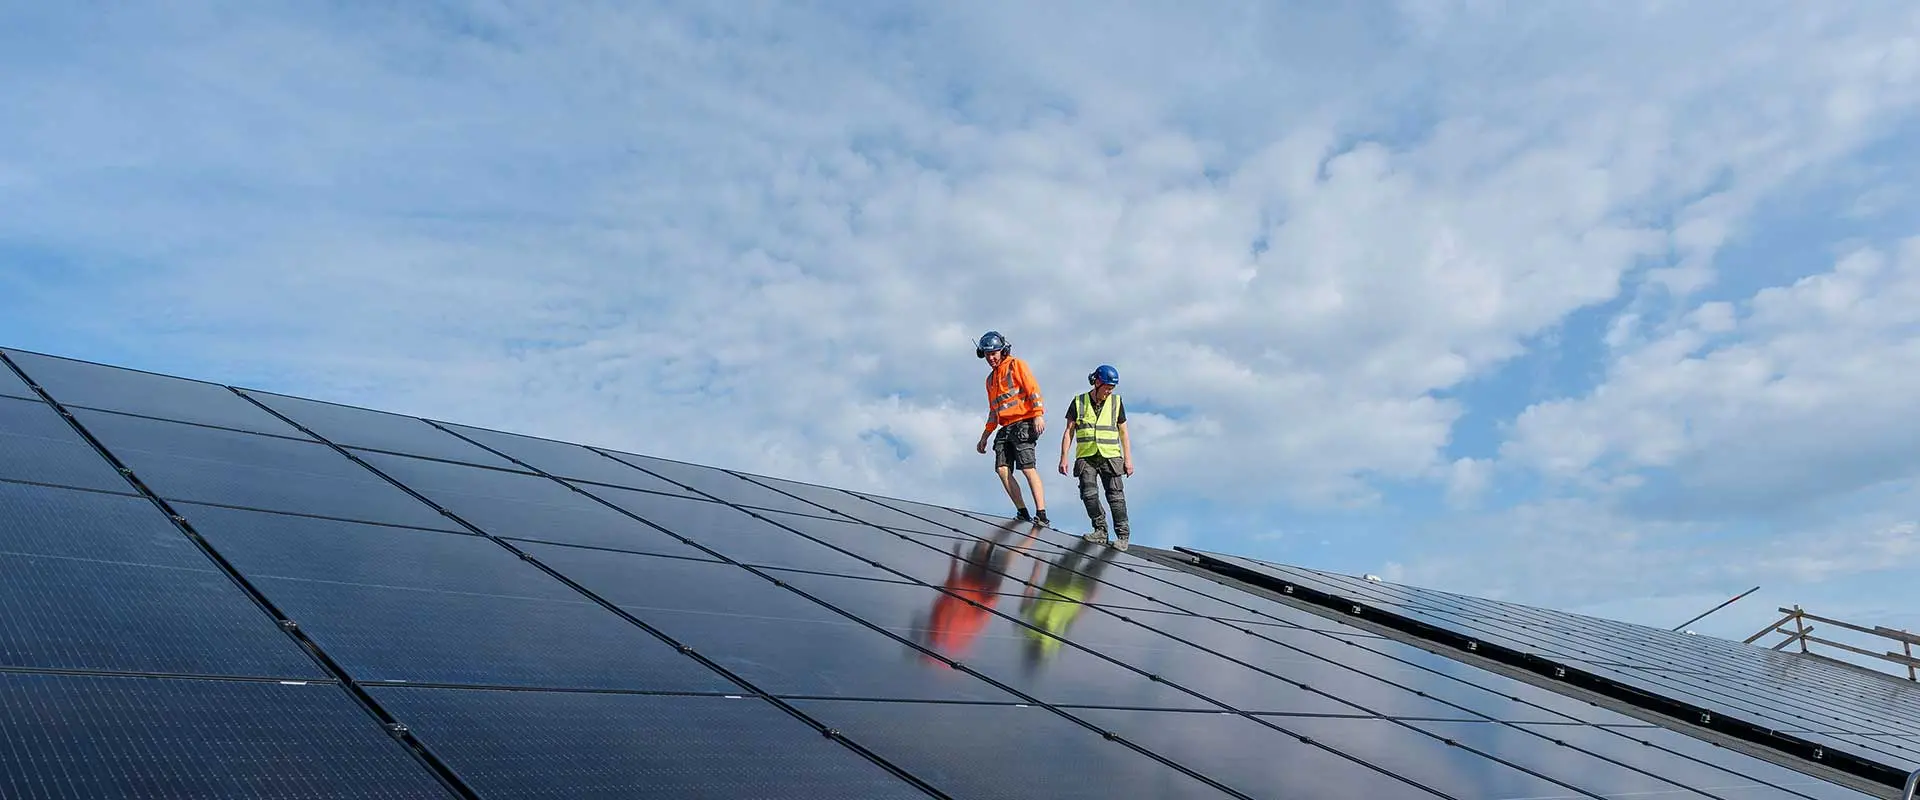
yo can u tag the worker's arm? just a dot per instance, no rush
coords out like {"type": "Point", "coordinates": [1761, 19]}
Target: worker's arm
{"type": "Point", "coordinates": [1066, 441]}
{"type": "Point", "coordinates": [1126, 449]}
{"type": "Point", "coordinates": [992, 420]}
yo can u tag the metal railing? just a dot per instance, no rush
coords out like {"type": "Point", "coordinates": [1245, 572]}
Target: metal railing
{"type": "Point", "coordinates": [1802, 634]}
{"type": "Point", "coordinates": [1913, 785]}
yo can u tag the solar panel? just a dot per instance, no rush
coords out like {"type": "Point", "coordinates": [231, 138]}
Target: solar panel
{"type": "Point", "coordinates": [1767, 685]}
{"type": "Point", "coordinates": [105, 582]}
{"type": "Point", "coordinates": [1029, 752]}
{"type": "Point", "coordinates": [737, 534]}
{"type": "Point", "coordinates": [564, 460]}
{"type": "Point", "coordinates": [854, 505]}
{"type": "Point", "coordinates": [410, 606]}
{"type": "Point", "coordinates": [1252, 756]}
{"type": "Point", "coordinates": [78, 384]}
{"type": "Point", "coordinates": [776, 638]}
{"type": "Point", "coordinates": [582, 746]}
{"type": "Point", "coordinates": [37, 445]}
{"type": "Point", "coordinates": [12, 386]}
{"type": "Point", "coordinates": [93, 736]}
{"type": "Point", "coordinates": [248, 470]}
{"type": "Point", "coordinates": [720, 484]}
{"type": "Point", "coordinates": [1731, 684]}
{"type": "Point", "coordinates": [377, 430]}
{"type": "Point", "coordinates": [520, 505]}
{"type": "Point", "coordinates": [511, 616]}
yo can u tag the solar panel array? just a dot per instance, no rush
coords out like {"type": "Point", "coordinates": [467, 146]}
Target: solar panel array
{"type": "Point", "coordinates": [1834, 708]}
{"type": "Point", "coordinates": [208, 591]}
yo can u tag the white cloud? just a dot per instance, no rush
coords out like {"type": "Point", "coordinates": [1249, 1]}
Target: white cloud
{"type": "Point", "coordinates": [1467, 481]}
{"type": "Point", "coordinates": [1803, 396]}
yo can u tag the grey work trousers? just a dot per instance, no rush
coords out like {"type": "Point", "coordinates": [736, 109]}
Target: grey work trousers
{"type": "Point", "coordinates": [1097, 472]}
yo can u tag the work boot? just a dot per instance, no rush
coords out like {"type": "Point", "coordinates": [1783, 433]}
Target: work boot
{"type": "Point", "coordinates": [1042, 517]}
{"type": "Point", "coordinates": [1121, 543]}
{"type": "Point", "coordinates": [1023, 515]}
{"type": "Point", "coordinates": [1098, 536]}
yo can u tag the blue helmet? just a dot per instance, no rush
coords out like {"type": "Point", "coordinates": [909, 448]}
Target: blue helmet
{"type": "Point", "coordinates": [990, 342]}
{"type": "Point", "coordinates": [1105, 374]}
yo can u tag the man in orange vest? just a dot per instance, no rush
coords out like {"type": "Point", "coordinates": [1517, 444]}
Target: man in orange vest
{"type": "Point", "coordinates": [1014, 407]}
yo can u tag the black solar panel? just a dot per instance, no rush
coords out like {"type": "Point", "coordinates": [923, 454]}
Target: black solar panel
{"type": "Point", "coordinates": [377, 430]}
{"type": "Point", "coordinates": [1829, 706]}
{"type": "Point", "coordinates": [102, 582]}
{"type": "Point", "coordinates": [582, 746]}
{"type": "Point", "coordinates": [12, 386]}
{"type": "Point", "coordinates": [400, 607]}
{"type": "Point", "coordinates": [79, 384]}
{"type": "Point", "coordinates": [88, 737]}
{"type": "Point", "coordinates": [37, 445]}
{"type": "Point", "coordinates": [563, 460]}
{"type": "Point", "coordinates": [720, 485]}
{"type": "Point", "coordinates": [248, 470]}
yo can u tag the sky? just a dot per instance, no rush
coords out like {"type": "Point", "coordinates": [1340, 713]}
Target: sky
{"type": "Point", "coordinates": [1607, 306]}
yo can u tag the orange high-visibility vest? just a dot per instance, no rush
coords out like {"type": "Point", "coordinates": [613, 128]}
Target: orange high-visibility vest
{"type": "Point", "coordinates": [1012, 394]}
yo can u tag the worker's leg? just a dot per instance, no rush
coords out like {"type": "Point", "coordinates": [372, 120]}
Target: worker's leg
{"type": "Point", "coordinates": [1113, 476]}
{"type": "Point", "coordinates": [1003, 458]}
{"type": "Point", "coordinates": [1012, 486]}
{"type": "Point", "coordinates": [1023, 459]}
{"type": "Point", "coordinates": [1039, 495]}
{"type": "Point", "coordinates": [1090, 497]}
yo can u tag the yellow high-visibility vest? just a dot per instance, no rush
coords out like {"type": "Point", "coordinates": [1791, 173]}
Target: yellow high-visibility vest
{"type": "Point", "coordinates": [1096, 433]}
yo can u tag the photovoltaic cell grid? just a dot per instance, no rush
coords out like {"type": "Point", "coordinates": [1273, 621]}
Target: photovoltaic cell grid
{"type": "Point", "coordinates": [1839, 708]}
{"type": "Point", "coordinates": [12, 386]}
{"type": "Point", "coordinates": [549, 619]}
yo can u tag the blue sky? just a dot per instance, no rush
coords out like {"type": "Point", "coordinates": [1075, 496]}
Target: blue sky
{"type": "Point", "coordinates": [1607, 306]}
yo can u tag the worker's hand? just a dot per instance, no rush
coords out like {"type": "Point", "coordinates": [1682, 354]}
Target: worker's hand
{"type": "Point", "coordinates": [1039, 425]}
{"type": "Point", "coordinates": [1063, 466]}
{"type": "Point", "coordinates": [1129, 467]}
{"type": "Point", "coordinates": [982, 447]}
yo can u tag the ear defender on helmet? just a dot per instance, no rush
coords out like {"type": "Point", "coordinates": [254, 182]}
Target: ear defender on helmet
{"type": "Point", "coordinates": [990, 342]}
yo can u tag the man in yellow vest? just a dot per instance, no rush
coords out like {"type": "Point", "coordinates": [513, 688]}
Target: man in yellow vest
{"type": "Point", "coordinates": [1102, 452]}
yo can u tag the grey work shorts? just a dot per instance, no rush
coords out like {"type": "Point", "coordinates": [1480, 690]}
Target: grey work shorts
{"type": "Point", "coordinates": [1013, 445]}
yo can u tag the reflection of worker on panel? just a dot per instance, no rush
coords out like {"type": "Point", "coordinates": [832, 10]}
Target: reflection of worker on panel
{"type": "Point", "coordinates": [973, 573]}
{"type": "Point", "coordinates": [1070, 582]}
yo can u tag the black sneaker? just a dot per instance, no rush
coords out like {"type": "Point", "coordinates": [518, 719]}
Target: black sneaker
{"type": "Point", "coordinates": [1023, 516]}
{"type": "Point", "coordinates": [1042, 517]}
